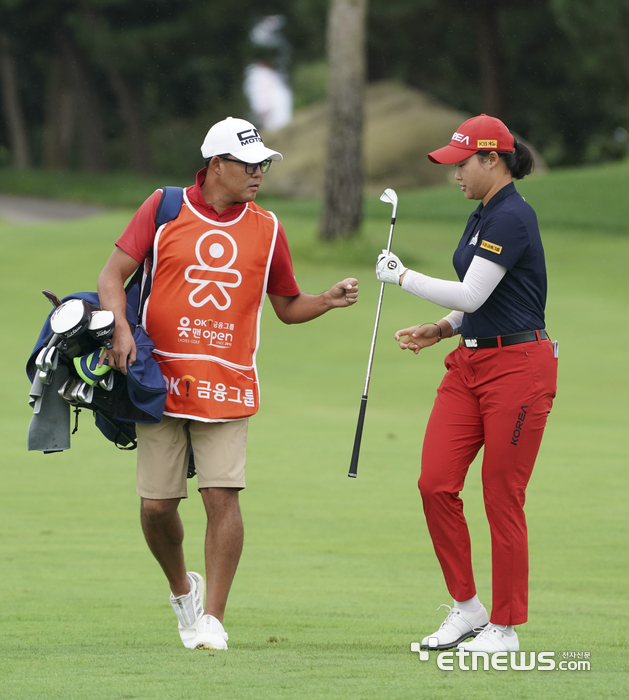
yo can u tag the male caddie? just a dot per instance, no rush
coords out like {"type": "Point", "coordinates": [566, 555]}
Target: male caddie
{"type": "Point", "coordinates": [206, 273]}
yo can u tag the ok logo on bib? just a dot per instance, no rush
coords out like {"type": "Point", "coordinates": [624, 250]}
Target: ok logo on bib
{"type": "Point", "coordinates": [216, 251]}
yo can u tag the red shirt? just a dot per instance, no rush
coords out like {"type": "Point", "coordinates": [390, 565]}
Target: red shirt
{"type": "Point", "coordinates": [137, 238]}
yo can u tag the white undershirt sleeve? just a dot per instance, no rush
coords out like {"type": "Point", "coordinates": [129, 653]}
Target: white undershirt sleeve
{"type": "Point", "coordinates": [480, 280]}
{"type": "Point", "coordinates": [455, 319]}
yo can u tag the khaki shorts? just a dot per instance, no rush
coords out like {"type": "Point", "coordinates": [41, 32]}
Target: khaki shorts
{"type": "Point", "coordinates": [164, 448]}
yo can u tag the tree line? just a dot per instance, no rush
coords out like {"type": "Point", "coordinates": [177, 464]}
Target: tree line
{"type": "Point", "coordinates": [100, 85]}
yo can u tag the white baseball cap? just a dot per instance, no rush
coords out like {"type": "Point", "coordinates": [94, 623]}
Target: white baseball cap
{"type": "Point", "coordinates": [240, 139]}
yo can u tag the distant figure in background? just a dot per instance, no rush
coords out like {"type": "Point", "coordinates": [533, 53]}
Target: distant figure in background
{"type": "Point", "coordinates": [270, 97]}
{"type": "Point", "coordinates": [266, 83]}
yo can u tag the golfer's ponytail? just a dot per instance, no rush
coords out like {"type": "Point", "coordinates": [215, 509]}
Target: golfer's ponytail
{"type": "Point", "coordinates": [519, 163]}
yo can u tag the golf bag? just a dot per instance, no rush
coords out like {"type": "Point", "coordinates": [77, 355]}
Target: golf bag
{"type": "Point", "coordinates": [118, 402]}
{"type": "Point", "coordinates": [64, 371]}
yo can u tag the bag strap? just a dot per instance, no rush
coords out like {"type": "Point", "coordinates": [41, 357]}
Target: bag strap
{"type": "Point", "coordinates": [169, 206]}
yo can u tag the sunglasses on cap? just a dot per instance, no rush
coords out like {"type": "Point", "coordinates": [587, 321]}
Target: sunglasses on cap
{"type": "Point", "coordinates": [250, 168]}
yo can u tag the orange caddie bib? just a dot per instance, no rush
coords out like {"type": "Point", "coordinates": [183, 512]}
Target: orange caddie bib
{"type": "Point", "coordinates": [208, 284]}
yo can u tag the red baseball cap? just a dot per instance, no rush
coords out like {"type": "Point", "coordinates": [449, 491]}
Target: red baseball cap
{"type": "Point", "coordinates": [480, 133]}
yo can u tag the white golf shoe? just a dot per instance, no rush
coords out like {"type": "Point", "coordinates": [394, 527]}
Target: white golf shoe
{"type": "Point", "coordinates": [458, 626]}
{"type": "Point", "coordinates": [492, 639]}
{"type": "Point", "coordinates": [210, 634]}
{"type": "Point", "coordinates": [189, 609]}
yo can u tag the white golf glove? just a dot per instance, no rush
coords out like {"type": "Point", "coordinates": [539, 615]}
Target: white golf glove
{"type": "Point", "coordinates": [389, 268]}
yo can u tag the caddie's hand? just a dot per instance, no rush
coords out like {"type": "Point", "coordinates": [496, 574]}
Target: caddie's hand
{"type": "Point", "coordinates": [344, 293]}
{"type": "Point", "coordinates": [123, 351]}
{"type": "Point", "coordinates": [417, 338]}
{"type": "Point", "coordinates": [389, 268]}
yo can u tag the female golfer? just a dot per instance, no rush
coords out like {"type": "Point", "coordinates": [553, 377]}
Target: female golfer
{"type": "Point", "coordinates": [499, 385]}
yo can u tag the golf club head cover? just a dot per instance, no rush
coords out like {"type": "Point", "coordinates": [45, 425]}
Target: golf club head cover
{"type": "Point", "coordinates": [87, 367]}
{"type": "Point", "coordinates": [101, 327]}
{"type": "Point", "coordinates": [71, 318]}
{"type": "Point", "coordinates": [389, 268]}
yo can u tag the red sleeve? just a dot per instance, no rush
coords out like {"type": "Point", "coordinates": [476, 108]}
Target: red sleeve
{"type": "Point", "coordinates": [137, 239]}
{"type": "Point", "coordinates": [281, 276]}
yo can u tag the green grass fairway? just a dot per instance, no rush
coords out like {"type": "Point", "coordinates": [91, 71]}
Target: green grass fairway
{"type": "Point", "coordinates": [338, 575]}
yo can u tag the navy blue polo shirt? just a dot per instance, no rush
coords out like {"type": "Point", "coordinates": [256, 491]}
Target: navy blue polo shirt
{"type": "Point", "coordinates": [505, 231]}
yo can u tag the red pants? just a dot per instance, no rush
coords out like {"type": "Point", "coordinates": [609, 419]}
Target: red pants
{"type": "Point", "coordinates": [499, 398]}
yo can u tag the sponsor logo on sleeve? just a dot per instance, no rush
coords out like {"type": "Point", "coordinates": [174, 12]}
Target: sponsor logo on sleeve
{"type": "Point", "coordinates": [487, 143]}
{"type": "Point", "coordinates": [492, 247]}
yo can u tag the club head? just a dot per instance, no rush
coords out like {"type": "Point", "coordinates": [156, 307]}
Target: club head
{"type": "Point", "coordinates": [85, 393]}
{"type": "Point", "coordinates": [52, 297]}
{"type": "Point", "coordinates": [67, 389]}
{"type": "Point", "coordinates": [45, 376]}
{"type": "Point", "coordinates": [51, 359]}
{"type": "Point", "coordinates": [41, 359]}
{"type": "Point", "coordinates": [70, 390]}
{"type": "Point", "coordinates": [390, 197]}
{"type": "Point", "coordinates": [74, 393]}
{"type": "Point", "coordinates": [107, 382]}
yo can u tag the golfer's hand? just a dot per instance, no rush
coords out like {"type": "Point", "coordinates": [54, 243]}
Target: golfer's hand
{"type": "Point", "coordinates": [417, 338]}
{"type": "Point", "coordinates": [389, 268]}
{"type": "Point", "coordinates": [344, 293]}
{"type": "Point", "coordinates": [123, 351]}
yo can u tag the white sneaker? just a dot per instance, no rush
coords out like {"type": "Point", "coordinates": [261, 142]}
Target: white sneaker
{"type": "Point", "coordinates": [210, 634]}
{"type": "Point", "coordinates": [492, 639]}
{"type": "Point", "coordinates": [458, 626]}
{"type": "Point", "coordinates": [189, 608]}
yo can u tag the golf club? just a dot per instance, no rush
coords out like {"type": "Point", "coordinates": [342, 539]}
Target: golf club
{"type": "Point", "coordinates": [45, 376]}
{"type": "Point", "coordinates": [85, 393]}
{"type": "Point", "coordinates": [52, 297]}
{"type": "Point", "coordinates": [74, 393]}
{"type": "Point", "coordinates": [68, 388]}
{"type": "Point", "coordinates": [41, 359]}
{"type": "Point", "coordinates": [51, 359]}
{"type": "Point", "coordinates": [107, 382]}
{"type": "Point", "coordinates": [390, 197]}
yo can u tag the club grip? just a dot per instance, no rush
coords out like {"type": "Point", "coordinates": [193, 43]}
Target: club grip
{"type": "Point", "coordinates": [353, 467]}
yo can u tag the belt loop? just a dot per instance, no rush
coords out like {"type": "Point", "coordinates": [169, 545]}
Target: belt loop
{"type": "Point", "coordinates": [538, 335]}
{"type": "Point", "coordinates": [499, 339]}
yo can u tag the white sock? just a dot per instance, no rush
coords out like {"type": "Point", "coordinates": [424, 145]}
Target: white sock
{"type": "Point", "coordinates": [472, 605]}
